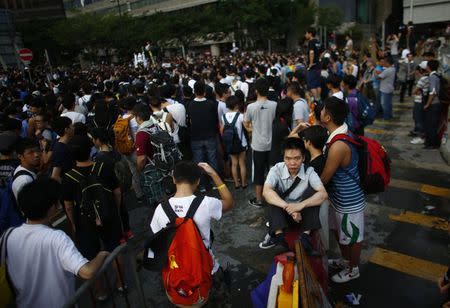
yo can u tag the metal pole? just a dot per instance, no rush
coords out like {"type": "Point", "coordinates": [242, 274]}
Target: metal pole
{"type": "Point", "coordinates": [118, 6]}
{"type": "Point", "coordinates": [383, 29]}
{"type": "Point", "coordinates": [411, 8]}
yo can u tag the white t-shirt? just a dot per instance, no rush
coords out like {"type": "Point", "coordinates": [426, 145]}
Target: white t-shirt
{"type": "Point", "coordinates": [301, 112]}
{"type": "Point", "coordinates": [134, 126]}
{"type": "Point", "coordinates": [22, 180]}
{"type": "Point", "coordinates": [210, 208]}
{"type": "Point", "coordinates": [82, 104]}
{"type": "Point", "coordinates": [221, 108]}
{"type": "Point", "coordinates": [339, 95]}
{"type": "Point", "coordinates": [43, 262]}
{"type": "Point", "coordinates": [76, 117]}
{"type": "Point", "coordinates": [230, 117]}
{"type": "Point", "coordinates": [235, 85]}
{"type": "Point", "coordinates": [245, 87]}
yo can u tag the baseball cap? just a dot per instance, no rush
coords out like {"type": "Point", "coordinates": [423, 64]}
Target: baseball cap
{"type": "Point", "coordinates": [423, 65]}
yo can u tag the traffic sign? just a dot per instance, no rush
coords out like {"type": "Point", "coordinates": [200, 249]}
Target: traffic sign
{"type": "Point", "coordinates": [25, 54]}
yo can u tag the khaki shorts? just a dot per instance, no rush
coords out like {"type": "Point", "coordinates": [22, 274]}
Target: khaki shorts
{"type": "Point", "coordinates": [350, 227]}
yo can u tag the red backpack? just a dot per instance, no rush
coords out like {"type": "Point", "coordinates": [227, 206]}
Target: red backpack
{"type": "Point", "coordinates": [187, 274]}
{"type": "Point", "coordinates": [374, 164]}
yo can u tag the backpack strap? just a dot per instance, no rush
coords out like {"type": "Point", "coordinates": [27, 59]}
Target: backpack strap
{"type": "Point", "coordinates": [236, 116]}
{"type": "Point", "coordinates": [169, 211]}
{"type": "Point", "coordinates": [194, 206]}
{"type": "Point", "coordinates": [97, 169]}
{"type": "Point", "coordinates": [291, 189]}
{"type": "Point", "coordinates": [22, 172]}
{"type": "Point", "coordinates": [4, 258]}
{"type": "Point", "coordinates": [343, 137]}
{"type": "Point", "coordinates": [75, 176]}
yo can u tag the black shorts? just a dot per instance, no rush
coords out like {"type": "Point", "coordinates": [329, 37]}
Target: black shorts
{"type": "Point", "coordinates": [91, 239]}
{"type": "Point", "coordinates": [260, 166]}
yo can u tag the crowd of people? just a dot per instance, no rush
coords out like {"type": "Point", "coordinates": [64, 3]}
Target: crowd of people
{"type": "Point", "coordinates": [77, 141]}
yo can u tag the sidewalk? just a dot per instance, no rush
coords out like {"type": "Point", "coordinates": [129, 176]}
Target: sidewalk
{"type": "Point", "coordinates": [445, 148]}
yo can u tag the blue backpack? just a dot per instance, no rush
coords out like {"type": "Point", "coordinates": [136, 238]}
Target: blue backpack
{"type": "Point", "coordinates": [231, 140]}
{"type": "Point", "coordinates": [366, 110]}
{"type": "Point", "coordinates": [10, 214]}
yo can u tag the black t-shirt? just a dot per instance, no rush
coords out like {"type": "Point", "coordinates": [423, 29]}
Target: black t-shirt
{"type": "Point", "coordinates": [71, 189]}
{"type": "Point", "coordinates": [62, 157]}
{"type": "Point", "coordinates": [314, 45]}
{"type": "Point", "coordinates": [203, 119]}
{"type": "Point", "coordinates": [280, 130]}
{"type": "Point", "coordinates": [318, 164]}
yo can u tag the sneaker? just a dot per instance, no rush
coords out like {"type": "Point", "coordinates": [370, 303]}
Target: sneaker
{"type": "Point", "coordinates": [412, 134]}
{"type": "Point", "coordinates": [346, 275]}
{"type": "Point", "coordinates": [267, 224]}
{"type": "Point", "coordinates": [272, 241]}
{"type": "Point", "coordinates": [417, 140]}
{"type": "Point", "coordinates": [254, 202]}
{"type": "Point", "coordinates": [338, 263]}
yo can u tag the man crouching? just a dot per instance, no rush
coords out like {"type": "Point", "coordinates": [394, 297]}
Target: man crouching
{"type": "Point", "coordinates": [294, 194]}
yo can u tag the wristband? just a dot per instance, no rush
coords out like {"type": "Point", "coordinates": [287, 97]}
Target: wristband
{"type": "Point", "coordinates": [221, 186]}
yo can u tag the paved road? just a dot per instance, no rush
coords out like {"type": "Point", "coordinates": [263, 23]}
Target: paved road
{"type": "Point", "coordinates": [406, 248]}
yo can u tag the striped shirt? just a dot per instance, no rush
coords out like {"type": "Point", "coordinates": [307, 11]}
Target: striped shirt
{"type": "Point", "coordinates": [344, 191]}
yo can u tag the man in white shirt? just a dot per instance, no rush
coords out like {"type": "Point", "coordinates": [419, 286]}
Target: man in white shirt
{"type": "Point", "coordinates": [222, 93]}
{"type": "Point", "coordinates": [29, 154]}
{"type": "Point", "coordinates": [84, 100]}
{"type": "Point", "coordinates": [245, 87]}
{"type": "Point", "coordinates": [69, 112]}
{"type": "Point", "coordinates": [334, 85]}
{"type": "Point", "coordinates": [42, 261]}
{"type": "Point", "coordinates": [301, 108]}
{"type": "Point", "coordinates": [186, 177]}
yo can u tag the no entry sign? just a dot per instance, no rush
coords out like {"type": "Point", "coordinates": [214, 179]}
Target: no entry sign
{"type": "Point", "coordinates": [26, 55]}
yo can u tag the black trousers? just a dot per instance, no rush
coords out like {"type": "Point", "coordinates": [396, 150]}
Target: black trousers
{"type": "Point", "coordinates": [432, 115]}
{"type": "Point", "coordinates": [279, 219]}
{"type": "Point", "coordinates": [403, 85]}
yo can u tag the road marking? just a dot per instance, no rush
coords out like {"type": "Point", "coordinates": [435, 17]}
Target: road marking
{"type": "Point", "coordinates": [59, 221]}
{"type": "Point", "coordinates": [409, 265]}
{"type": "Point", "coordinates": [394, 123]}
{"type": "Point", "coordinates": [377, 131]}
{"type": "Point", "coordinates": [423, 188]}
{"type": "Point", "coordinates": [422, 220]}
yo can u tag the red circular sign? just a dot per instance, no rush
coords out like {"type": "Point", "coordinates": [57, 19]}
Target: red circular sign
{"type": "Point", "coordinates": [26, 54]}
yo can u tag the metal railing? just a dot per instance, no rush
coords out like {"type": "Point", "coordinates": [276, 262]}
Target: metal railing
{"type": "Point", "coordinates": [86, 287]}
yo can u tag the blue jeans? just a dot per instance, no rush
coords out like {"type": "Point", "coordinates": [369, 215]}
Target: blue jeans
{"type": "Point", "coordinates": [386, 104]}
{"type": "Point", "coordinates": [205, 151]}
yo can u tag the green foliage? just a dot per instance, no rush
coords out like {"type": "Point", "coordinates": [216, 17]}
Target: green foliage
{"type": "Point", "coordinates": [330, 17]}
{"type": "Point", "coordinates": [255, 20]}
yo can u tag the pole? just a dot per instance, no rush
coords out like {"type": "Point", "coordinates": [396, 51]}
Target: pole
{"type": "Point", "coordinates": [118, 6]}
{"type": "Point", "coordinates": [411, 8]}
{"type": "Point", "coordinates": [383, 29]}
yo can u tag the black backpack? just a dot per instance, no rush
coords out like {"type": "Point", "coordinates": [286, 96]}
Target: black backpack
{"type": "Point", "coordinates": [96, 204]}
{"type": "Point", "coordinates": [231, 140]}
{"type": "Point", "coordinates": [165, 151]}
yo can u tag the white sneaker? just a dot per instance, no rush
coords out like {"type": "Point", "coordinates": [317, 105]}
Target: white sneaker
{"type": "Point", "coordinates": [346, 275]}
{"type": "Point", "coordinates": [338, 263]}
{"type": "Point", "coordinates": [267, 224]}
{"type": "Point", "coordinates": [417, 140]}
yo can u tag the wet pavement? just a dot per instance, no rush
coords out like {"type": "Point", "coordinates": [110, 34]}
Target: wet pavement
{"type": "Point", "coordinates": [407, 236]}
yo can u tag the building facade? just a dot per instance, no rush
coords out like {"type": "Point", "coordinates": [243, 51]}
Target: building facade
{"type": "Point", "coordinates": [26, 10]}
